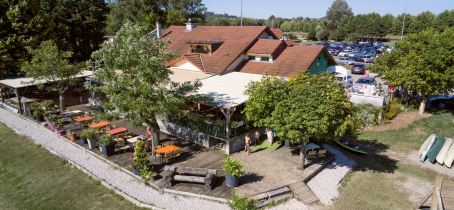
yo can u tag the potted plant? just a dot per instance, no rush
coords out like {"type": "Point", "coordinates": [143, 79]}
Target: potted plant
{"type": "Point", "coordinates": [233, 169]}
{"type": "Point", "coordinates": [90, 135]}
{"type": "Point", "coordinates": [146, 173]}
{"type": "Point", "coordinates": [31, 107]}
{"type": "Point", "coordinates": [38, 113]}
{"type": "Point", "coordinates": [107, 145]}
{"type": "Point", "coordinates": [71, 135]}
{"type": "Point", "coordinates": [234, 124]}
{"type": "Point", "coordinates": [48, 104]}
{"type": "Point", "coordinates": [51, 119]}
{"type": "Point", "coordinates": [140, 159]}
{"type": "Point", "coordinates": [83, 136]}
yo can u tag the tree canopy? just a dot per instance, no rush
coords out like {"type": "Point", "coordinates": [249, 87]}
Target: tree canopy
{"type": "Point", "coordinates": [22, 25]}
{"type": "Point", "coordinates": [53, 66]}
{"type": "Point", "coordinates": [337, 11]}
{"type": "Point", "coordinates": [423, 62]}
{"type": "Point", "coordinates": [303, 107]}
{"type": "Point", "coordinates": [136, 81]}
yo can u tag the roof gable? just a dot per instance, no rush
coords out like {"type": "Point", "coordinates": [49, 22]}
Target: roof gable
{"type": "Point", "coordinates": [265, 46]}
{"type": "Point", "coordinates": [279, 33]}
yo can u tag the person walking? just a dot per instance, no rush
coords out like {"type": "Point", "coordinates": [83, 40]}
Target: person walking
{"type": "Point", "coordinates": [269, 135]}
{"type": "Point", "coordinates": [247, 142]}
{"type": "Point", "coordinates": [257, 136]}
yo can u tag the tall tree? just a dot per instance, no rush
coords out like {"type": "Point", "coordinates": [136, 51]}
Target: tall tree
{"type": "Point", "coordinates": [79, 25]}
{"type": "Point", "coordinates": [338, 9]}
{"type": "Point", "coordinates": [52, 65]}
{"type": "Point", "coordinates": [388, 23]}
{"type": "Point", "coordinates": [22, 26]}
{"type": "Point", "coordinates": [423, 21]}
{"type": "Point", "coordinates": [139, 91]}
{"type": "Point", "coordinates": [305, 107]}
{"type": "Point", "coordinates": [175, 18]}
{"type": "Point", "coordinates": [423, 62]}
{"type": "Point", "coordinates": [444, 19]}
{"type": "Point", "coordinates": [193, 9]}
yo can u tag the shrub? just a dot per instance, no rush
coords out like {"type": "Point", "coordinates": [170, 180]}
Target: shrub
{"type": "Point", "coordinates": [238, 203]}
{"type": "Point", "coordinates": [106, 139]}
{"type": "Point", "coordinates": [393, 109]}
{"type": "Point", "coordinates": [140, 154]}
{"type": "Point", "coordinates": [233, 167]}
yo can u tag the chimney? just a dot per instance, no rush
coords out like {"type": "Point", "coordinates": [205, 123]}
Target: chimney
{"type": "Point", "coordinates": [190, 25]}
{"type": "Point", "coordinates": [158, 29]}
{"type": "Point", "coordinates": [284, 37]}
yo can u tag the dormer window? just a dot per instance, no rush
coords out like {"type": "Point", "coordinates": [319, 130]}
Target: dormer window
{"type": "Point", "coordinates": [204, 46]}
{"type": "Point", "coordinates": [265, 59]}
{"type": "Point", "coordinates": [251, 58]}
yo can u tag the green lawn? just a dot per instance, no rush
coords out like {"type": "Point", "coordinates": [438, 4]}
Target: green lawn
{"type": "Point", "coordinates": [265, 146]}
{"type": "Point", "coordinates": [372, 184]}
{"type": "Point", "coordinates": [33, 178]}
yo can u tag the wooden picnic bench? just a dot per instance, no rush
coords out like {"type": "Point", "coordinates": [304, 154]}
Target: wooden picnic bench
{"type": "Point", "coordinates": [208, 176]}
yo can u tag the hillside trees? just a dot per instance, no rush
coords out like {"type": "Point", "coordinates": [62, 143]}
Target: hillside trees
{"type": "Point", "coordinates": [422, 63]}
{"type": "Point", "coordinates": [22, 26]}
{"type": "Point", "coordinates": [336, 12]}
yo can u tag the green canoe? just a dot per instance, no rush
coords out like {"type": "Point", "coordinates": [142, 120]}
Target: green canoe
{"type": "Point", "coordinates": [435, 149]}
{"type": "Point", "coordinates": [351, 147]}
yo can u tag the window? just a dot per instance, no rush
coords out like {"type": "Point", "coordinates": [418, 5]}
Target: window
{"type": "Point", "coordinates": [265, 59]}
{"type": "Point", "coordinates": [251, 58]}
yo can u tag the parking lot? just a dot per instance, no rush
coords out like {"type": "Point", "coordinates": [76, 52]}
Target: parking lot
{"type": "Point", "coordinates": [379, 81]}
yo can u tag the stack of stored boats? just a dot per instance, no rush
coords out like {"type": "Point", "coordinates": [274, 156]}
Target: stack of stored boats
{"type": "Point", "coordinates": [437, 149]}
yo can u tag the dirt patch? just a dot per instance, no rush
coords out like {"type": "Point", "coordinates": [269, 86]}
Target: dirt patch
{"type": "Point", "coordinates": [416, 188]}
{"type": "Point", "coordinates": [402, 120]}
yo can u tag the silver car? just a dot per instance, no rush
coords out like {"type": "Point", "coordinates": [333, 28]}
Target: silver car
{"type": "Point", "coordinates": [367, 58]}
{"type": "Point", "coordinates": [347, 80]}
{"type": "Point", "coordinates": [363, 83]}
{"type": "Point", "coordinates": [345, 61]}
{"type": "Point", "coordinates": [343, 53]}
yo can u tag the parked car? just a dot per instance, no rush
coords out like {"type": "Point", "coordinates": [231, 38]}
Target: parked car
{"type": "Point", "coordinates": [357, 59]}
{"type": "Point", "coordinates": [335, 52]}
{"type": "Point", "coordinates": [346, 80]}
{"type": "Point", "coordinates": [345, 61]}
{"type": "Point", "coordinates": [442, 101]}
{"type": "Point", "coordinates": [367, 58]}
{"type": "Point", "coordinates": [364, 82]}
{"type": "Point", "coordinates": [359, 68]}
{"type": "Point", "coordinates": [353, 53]}
{"type": "Point", "coordinates": [378, 43]}
{"type": "Point", "coordinates": [344, 53]}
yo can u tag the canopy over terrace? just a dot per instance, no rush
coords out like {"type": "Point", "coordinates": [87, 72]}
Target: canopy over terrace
{"type": "Point", "coordinates": [227, 91]}
{"type": "Point", "coordinates": [20, 85]}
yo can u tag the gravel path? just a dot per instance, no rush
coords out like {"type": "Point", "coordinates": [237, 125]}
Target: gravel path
{"type": "Point", "coordinates": [116, 178]}
{"type": "Point", "coordinates": [324, 184]}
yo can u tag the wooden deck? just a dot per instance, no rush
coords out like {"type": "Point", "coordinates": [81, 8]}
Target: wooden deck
{"type": "Point", "coordinates": [264, 171]}
{"type": "Point", "coordinates": [447, 195]}
{"type": "Point", "coordinates": [304, 193]}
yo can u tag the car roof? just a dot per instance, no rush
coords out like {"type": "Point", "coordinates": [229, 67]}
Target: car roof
{"type": "Point", "coordinates": [359, 64]}
{"type": "Point", "coordinates": [367, 78]}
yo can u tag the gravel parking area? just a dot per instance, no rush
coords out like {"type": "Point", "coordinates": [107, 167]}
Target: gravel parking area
{"type": "Point", "coordinates": [324, 184]}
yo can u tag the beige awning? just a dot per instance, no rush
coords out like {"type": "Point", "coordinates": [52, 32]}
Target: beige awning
{"type": "Point", "coordinates": [19, 82]}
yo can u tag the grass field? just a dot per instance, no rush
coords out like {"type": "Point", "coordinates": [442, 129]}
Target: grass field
{"type": "Point", "coordinates": [33, 178]}
{"type": "Point", "coordinates": [372, 185]}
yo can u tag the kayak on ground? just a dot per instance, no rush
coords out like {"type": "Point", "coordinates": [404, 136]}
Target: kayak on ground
{"type": "Point", "coordinates": [351, 147]}
{"type": "Point", "coordinates": [435, 149]}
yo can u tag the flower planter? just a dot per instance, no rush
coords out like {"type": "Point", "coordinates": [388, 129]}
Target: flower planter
{"type": "Point", "coordinates": [39, 118]}
{"type": "Point", "coordinates": [59, 132]}
{"type": "Point", "coordinates": [136, 171]}
{"type": "Point", "coordinates": [232, 181]}
{"type": "Point", "coordinates": [30, 114]}
{"type": "Point", "coordinates": [287, 144]}
{"type": "Point", "coordinates": [153, 178]}
{"type": "Point", "coordinates": [107, 150]}
{"type": "Point", "coordinates": [72, 138]}
{"type": "Point", "coordinates": [83, 141]}
{"type": "Point", "coordinates": [91, 143]}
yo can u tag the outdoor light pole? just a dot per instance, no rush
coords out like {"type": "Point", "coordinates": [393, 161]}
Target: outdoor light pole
{"type": "Point", "coordinates": [241, 12]}
{"type": "Point", "coordinates": [403, 25]}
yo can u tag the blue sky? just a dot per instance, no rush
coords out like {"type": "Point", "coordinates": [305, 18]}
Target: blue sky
{"type": "Point", "coordinates": [317, 8]}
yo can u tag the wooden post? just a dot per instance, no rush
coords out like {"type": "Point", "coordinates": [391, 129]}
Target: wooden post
{"type": "Point", "coordinates": [438, 181]}
{"type": "Point", "coordinates": [2, 93]}
{"type": "Point", "coordinates": [18, 99]}
{"type": "Point", "coordinates": [425, 198]}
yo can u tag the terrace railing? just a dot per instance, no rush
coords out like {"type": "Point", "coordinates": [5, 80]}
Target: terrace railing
{"type": "Point", "coordinates": [211, 127]}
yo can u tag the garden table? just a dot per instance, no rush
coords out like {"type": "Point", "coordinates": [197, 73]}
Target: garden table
{"type": "Point", "coordinates": [83, 119]}
{"type": "Point", "coordinates": [116, 130]}
{"type": "Point", "coordinates": [100, 124]}
{"type": "Point", "coordinates": [133, 140]}
{"type": "Point", "coordinates": [311, 146]}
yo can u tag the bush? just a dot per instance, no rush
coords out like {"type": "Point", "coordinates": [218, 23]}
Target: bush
{"type": "Point", "coordinates": [353, 37]}
{"type": "Point", "coordinates": [238, 203]}
{"type": "Point", "coordinates": [106, 139]}
{"type": "Point", "coordinates": [393, 109]}
{"type": "Point", "coordinates": [292, 36]}
{"type": "Point", "coordinates": [233, 167]}
{"type": "Point", "coordinates": [312, 35]}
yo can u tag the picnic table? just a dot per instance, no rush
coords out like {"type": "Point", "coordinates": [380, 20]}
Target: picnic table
{"type": "Point", "coordinates": [72, 112]}
{"type": "Point", "coordinates": [133, 140]}
{"type": "Point", "coordinates": [116, 130]}
{"type": "Point", "coordinates": [167, 149]}
{"type": "Point", "coordinates": [83, 119]}
{"type": "Point", "coordinates": [99, 124]}
{"type": "Point", "coordinates": [311, 146]}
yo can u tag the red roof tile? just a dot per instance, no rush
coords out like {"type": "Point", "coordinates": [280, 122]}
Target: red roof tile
{"type": "Point", "coordinates": [236, 40]}
{"type": "Point", "coordinates": [289, 62]}
{"type": "Point", "coordinates": [279, 33]}
{"type": "Point", "coordinates": [265, 46]}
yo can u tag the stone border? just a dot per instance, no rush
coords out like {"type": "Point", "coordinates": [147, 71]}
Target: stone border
{"type": "Point", "coordinates": [102, 158]}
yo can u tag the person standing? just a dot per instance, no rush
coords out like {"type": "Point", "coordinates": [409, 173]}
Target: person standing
{"type": "Point", "coordinates": [247, 142]}
{"type": "Point", "coordinates": [269, 135]}
{"type": "Point", "coordinates": [257, 136]}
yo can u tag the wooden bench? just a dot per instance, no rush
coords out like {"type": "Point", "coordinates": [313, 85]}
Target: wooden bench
{"type": "Point", "coordinates": [205, 176]}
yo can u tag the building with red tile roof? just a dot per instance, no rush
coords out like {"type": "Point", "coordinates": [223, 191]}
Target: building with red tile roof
{"type": "Point", "coordinates": [249, 49]}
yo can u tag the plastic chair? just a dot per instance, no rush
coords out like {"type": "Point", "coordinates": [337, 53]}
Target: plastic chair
{"type": "Point", "coordinates": [112, 126]}
{"type": "Point", "coordinates": [168, 156]}
{"type": "Point", "coordinates": [128, 135]}
{"type": "Point", "coordinates": [176, 153]}
{"type": "Point", "coordinates": [311, 154]}
{"type": "Point", "coordinates": [119, 137]}
{"type": "Point", "coordinates": [321, 153]}
{"type": "Point", "coordinates": [122, 145]}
